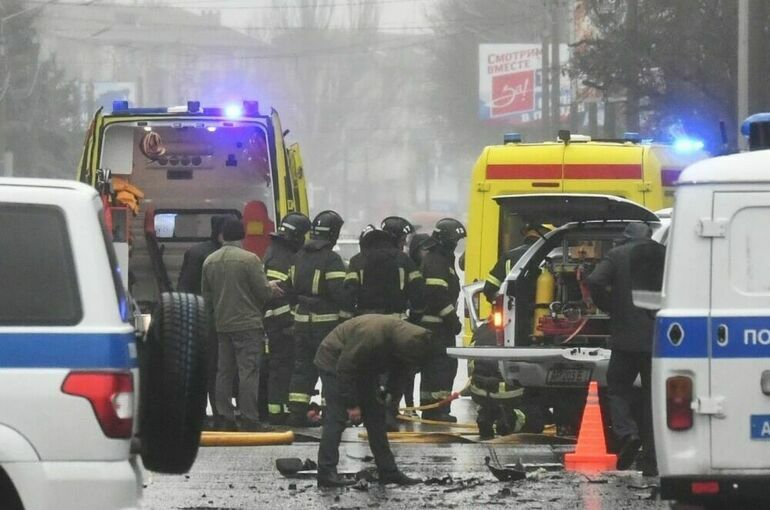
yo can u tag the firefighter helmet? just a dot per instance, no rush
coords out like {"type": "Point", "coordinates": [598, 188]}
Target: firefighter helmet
{"type": "Point", "coordinates": [397, 226]}
{"type": "Point", "coordinates": [448, 232]}
{"type": "Point", "coordinates": [294, 227]}
{"type": "Point", "coordinates": [372, 237]}
{"type": "Point", "coordinates": [327, 225]}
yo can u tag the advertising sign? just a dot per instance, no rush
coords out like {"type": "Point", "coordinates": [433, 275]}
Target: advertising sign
{"type": "Point", "coordinates": [510, 82]}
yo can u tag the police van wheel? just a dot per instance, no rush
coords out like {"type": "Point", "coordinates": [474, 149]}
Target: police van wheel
{"type": "Point", "coordinates": [173, 380]}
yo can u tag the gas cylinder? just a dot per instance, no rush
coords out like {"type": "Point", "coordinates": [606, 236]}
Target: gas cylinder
{"type": "Point", "coordinates": [544, 291]}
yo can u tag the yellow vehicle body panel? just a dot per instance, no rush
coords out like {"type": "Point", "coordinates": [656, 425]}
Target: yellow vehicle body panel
{"type": "Point", "coordinates": [641, 173]}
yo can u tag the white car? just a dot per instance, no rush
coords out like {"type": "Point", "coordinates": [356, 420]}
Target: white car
{"type": "Point", "coordinates": [70, 359]}
{"type": "Point", "coordinates": [550, 336]}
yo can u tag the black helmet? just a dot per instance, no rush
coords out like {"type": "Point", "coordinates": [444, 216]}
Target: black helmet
{"type": "Point", "coordinates": [327, 225]}
{"type": "Point", "coordinates": [448, 232]}
{"type": "Point", "coordinates": [294, 227]}
{"type": "Point", "coordinates": [397, 226]}
{"type": "Point", "coordinates": [372, 237]}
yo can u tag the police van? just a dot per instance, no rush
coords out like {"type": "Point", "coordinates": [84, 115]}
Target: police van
{"type": "Point", "coordinates": [711, 355]}
{"type": "Point", "coordinates": [75, 415]}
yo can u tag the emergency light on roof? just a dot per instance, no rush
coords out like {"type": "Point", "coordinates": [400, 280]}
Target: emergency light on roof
{"type": "Point", "coordinates": [231, 111]}
{"type": "Point", "coordinates": [757, 129]}
{"type": "Point", "coordinates": [512, 138]}
{"type": "Point", "coordinates": [685, 145]}
{"type": "Point", "coordinates": [633, 137]}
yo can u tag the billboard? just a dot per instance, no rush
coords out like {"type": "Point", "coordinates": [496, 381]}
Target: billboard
{"type": "Point", "coordinates": [510, 82]}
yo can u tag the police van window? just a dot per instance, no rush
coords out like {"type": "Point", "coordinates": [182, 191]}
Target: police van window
{"type": "Point", "coordinates": [37, 271]}
{"type": "Point", "coordinates": [749, 267]}
{"type": "Point", "coordinates": [120, 292]}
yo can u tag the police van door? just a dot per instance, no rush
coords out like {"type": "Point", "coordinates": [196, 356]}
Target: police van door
{"type": "Point", "coordinates": [739, 403]}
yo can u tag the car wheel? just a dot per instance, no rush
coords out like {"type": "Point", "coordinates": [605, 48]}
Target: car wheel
{"type": "Point", "coordinates": [173, 384]}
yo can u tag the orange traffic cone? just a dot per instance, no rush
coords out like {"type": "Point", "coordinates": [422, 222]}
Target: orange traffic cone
{"type": "Point", "coordinates": [591, 452]}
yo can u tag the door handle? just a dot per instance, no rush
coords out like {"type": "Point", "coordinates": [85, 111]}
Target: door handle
{"type": "Point", "coordinates": [722, 335]}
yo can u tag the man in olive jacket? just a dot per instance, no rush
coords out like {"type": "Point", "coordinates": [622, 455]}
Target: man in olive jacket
{"type": "Point", "coordinates": [351, 360]}
{"type": "Point", "coordinates": [235, 290]}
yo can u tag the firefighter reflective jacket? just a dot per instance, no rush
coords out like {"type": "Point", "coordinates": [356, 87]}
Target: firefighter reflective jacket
{"type": "Point", "coordinates": [317, 279]}
{"type": "Point", "coordinates": [442, 288]}
{"type": "Point", "coordinates": [278, 261]}
{"type": "Point", "coordinates": [385, 281]}
{"type": "Point", "coordinates": [502, 268]}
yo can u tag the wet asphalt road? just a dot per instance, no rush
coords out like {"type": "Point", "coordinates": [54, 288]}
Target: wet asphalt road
{"type": "Point", "coordinates": [246, 478]}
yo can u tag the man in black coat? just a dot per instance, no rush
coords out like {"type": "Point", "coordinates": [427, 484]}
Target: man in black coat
{"type": "Point", "coordinates": [190, 281]}
{"type": "Point", "coordinates": [631, 332]}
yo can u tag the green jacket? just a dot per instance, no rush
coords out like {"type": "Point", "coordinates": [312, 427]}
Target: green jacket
{"type": "Point", "coordinates": [235, 288]}
{"type": "Point", "coordinates": [369, 345]}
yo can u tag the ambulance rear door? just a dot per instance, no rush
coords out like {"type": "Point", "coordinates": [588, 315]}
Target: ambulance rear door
{"type": "Point", "coordinates": [739, 331]}
{"type": "Point", "coordinates": [605, 168]}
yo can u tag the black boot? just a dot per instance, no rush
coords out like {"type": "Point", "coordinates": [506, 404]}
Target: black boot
{"type": "Point", "coordinates": [486, 430]}
{"type": "Point", "coordinates": [438, 416]}
{"type": "Point", "coordinates": [629, 449]}
{"type": "Point", "coordinates": [333, 480]}
{"type": "Point", "coordinates": [398, 478]}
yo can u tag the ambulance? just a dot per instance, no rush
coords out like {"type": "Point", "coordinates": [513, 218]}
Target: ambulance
{"type": "Point", "coordinates": [711, 354]}
{"type": "Point", "coordinates": [643, 173]}
{"type": "Point", "coordinates": [164, 172]}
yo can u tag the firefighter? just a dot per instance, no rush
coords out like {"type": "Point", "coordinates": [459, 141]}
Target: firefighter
{"type": "Point", "coordinates": [317, 280]}
{"type": "Point", "coordinates": [442, 288]}
{"type": "Point", "coordinates": [503, 408]}
{"type": "Point", "coordinates": [503, 266]}
{"type": "Point", "coordinates": [279, 321]}
{"type": "Point", "coordinates": [382, 279]}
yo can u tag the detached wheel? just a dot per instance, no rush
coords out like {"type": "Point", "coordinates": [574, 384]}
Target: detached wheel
{"type": "Point", "coordinates": [173, 384]}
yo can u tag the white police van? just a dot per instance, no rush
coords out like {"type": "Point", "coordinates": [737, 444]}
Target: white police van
{"type": "Point", "coordinates": [711, 365]}
{"type": "Point", "coordinates": [70, 356]}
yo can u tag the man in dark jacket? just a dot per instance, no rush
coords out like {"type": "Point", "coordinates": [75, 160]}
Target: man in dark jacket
{"type": "Point", "coordinates": [190, 281]}
{"type": "Point", "coordinates": [351, 360]}
{"type": "Point", "coordinates": [631, 331]}
{"type": "Point", "coordinates": [279, 321]}
{"type": "Point", "coordinates": [442, 288]}
{"type": "Point", "coordinates": [317, 280]}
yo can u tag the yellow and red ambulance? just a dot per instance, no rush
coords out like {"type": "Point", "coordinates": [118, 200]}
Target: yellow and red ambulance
{"type": "Point", "coordinates": [641, 172]}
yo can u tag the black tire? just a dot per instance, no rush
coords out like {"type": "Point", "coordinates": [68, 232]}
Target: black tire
{"type": "Point", "coordinates": [173, 384]}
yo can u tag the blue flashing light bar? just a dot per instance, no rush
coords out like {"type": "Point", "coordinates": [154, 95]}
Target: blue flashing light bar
{"type": "Point", "coordinates": [757, 118]}
{"type": "Point", "coordinates": [231, 111]}
{"type": "Point", "coordinates": [512, 138]}
{"type": "Point", "coordinates": [632, 136]}
{"type": "Point", "coordinates": [686, 145]}
{"type": "Point", "coordinates": [234, 111]}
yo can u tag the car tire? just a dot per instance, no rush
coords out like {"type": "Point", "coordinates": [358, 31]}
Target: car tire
{"type": "Point", "coordinates": [173, 384]}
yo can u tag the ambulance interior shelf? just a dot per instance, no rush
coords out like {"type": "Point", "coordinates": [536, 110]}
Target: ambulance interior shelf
{"type": "Point", "coordinates": [563, 311]}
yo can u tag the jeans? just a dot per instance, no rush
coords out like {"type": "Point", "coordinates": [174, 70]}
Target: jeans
{"type": "Point", "coordinates": [335, 421]}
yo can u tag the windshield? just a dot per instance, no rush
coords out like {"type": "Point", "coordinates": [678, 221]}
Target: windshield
{"type": "Point", "coordinates": [192, 166]}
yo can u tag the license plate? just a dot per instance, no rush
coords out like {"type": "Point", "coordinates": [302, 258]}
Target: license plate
{"type": "Point", "coordinates": [760, 427]}
{"type": "Point", "coordinates": [569, 376]}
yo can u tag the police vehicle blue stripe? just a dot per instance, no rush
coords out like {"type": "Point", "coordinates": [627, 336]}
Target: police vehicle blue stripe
{"type": "Point", "coordinates": [693, 342]}
{"type": "Point", "coordinates": [61, 350]}
{"type": "Point", "coordinates": [729, 337]}
{"type": "Point", "coordinates": [744, 337]}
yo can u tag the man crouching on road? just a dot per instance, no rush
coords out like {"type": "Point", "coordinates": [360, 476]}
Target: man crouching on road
{"type": "Point", "coordinates": [350, 360]}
